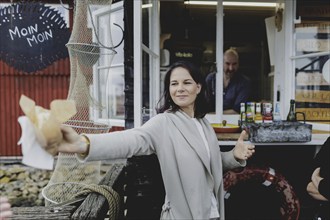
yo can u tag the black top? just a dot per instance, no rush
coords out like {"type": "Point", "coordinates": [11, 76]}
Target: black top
{"type": "Point", "coordinates": [322, 160]}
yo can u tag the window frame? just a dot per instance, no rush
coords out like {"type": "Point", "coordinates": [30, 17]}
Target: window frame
{"type": "Point", "coordinates": [154, 59]}
{"type": "Point", "coordinates": [96, 90]}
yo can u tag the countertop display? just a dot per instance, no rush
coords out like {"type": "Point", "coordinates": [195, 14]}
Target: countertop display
{"type": "Point", "coordinates": [230, 139]}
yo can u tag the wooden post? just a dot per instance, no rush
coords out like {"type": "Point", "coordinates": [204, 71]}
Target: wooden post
{"type": "Point", "coordinates": [95, 206]}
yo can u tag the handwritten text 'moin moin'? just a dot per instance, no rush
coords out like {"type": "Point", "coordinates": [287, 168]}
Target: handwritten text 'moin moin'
{"type": "Point", "coordinates": [31, 34]}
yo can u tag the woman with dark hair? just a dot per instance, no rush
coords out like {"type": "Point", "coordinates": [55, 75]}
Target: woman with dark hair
{"type": "Point", "coordinates": [200, 102]}
{"type": "Point", "coordinates": [183, 140]}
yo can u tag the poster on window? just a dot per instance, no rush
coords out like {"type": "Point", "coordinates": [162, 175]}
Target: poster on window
{"type": "Point", "coordinates": [33, 35]}
{"type": "Point", "coordinates": [313, 73]}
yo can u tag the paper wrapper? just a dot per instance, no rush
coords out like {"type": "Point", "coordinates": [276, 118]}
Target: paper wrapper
{"type": "Point", "coordinates": [46, 123]}
{"type": "Point", "coordinates": [34, 154]}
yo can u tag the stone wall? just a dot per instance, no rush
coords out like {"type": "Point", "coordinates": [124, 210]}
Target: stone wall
{"type": "Point", "coordinates": [23, 185]}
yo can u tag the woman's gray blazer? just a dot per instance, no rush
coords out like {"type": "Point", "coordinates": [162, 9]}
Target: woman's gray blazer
{"type": "Point", "coordinates": [187, 172]}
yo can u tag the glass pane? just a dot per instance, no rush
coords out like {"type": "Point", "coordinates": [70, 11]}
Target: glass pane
{"type": "Point", "coordinates": [101, 103]}
{"type": "Point", "coordinates": [109, 71]}
{"type": "Point", "coordinates": [246, 65]}
{"type": "Point", "coordinates": [312, 92]}
{"type": "Point", "coordinates": [146, 11]}
{"type": "Point", "coordinates": [190, 34]}
{"type": "Point", "coordinates": [113, 37]}
{"type": "Point", "coordinates": [116, 95]}
{"type": "Point", "coordinates": [150, 64]}
{"type": "Point", "coordinates": [112, 99]}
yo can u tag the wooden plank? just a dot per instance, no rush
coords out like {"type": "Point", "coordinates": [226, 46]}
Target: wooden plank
{"type": "Point", "coordinates": [41, 212]}
{"type": "Point", "coordinates": [314, 114]}
{"type": "Point", "coordinates": [311, 79]}
{"type": "Point", "coordinates": [316, 96]}
{"type": "Point", "coordinates": [95, 206]}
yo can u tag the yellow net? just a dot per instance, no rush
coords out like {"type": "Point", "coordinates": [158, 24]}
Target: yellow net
{"type": "Point", "coordinates": [90, 55]}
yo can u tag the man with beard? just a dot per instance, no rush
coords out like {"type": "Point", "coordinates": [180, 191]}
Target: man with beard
{"type": "Point", "coordinates": [236, 86]}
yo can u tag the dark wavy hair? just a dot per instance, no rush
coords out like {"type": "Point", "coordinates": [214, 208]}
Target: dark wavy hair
{"type": "Point", "coordinates": [201, 105]}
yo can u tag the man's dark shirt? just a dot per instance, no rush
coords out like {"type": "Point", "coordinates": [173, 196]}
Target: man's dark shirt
{"type": "Point", "coordinates": [236, 92]}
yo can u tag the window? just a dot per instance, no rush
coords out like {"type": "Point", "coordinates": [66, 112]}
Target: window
{"type": "Point", "coordinates": [108, 73]}
{"type": "Point", "coordinates": [146, 60]}
{"type": "Point", "coordinates": [263, 37]}
{"type": "Point", "coordinates": [312, 60]}
{"type": "Point", "coordinates": [202, 33]}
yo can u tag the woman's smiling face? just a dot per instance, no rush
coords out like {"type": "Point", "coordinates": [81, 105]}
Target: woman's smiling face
{"type": "Point", "coordinates": [184, 90]}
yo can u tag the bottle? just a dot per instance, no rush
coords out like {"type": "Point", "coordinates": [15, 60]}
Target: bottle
{"type": "Point", "coordinates": [258, 116]}
{"type": "Point", "coordinates": [277, 113]}
{"type": "Point", "coordinates": [242, 111]}
{"type": "Point", "coordinates": [253, 107]}
{"type": "Point", "coordinates": [267, 113]}
{"type": "Point", "coordinates": [249, 112]}
{"type": "Point", "coordinates": [292, 113]}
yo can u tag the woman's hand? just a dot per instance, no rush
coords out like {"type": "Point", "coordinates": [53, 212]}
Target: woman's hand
{"type": "Point", "coordinates": [72, 142]}
{"type": "Point", "coordinates": [243, 151]}
{"type": "Point", "coordinates": [5, 211]}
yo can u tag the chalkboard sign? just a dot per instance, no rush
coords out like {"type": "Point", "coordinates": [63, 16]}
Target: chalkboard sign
{"type": "Point", "coordinates": [33, 36]}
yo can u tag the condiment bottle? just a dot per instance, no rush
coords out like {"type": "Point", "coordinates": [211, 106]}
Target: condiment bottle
{"type": "Point", "coordinates": [292, 113]}
{"type": "Point", "coordinates": [267, 113]}
{"type": "Point", "coordinates": [277, 112]}
{"type": "Point", "coordinates": [242, 111]}
{"type": "Point", "coordinates": [258, 116]}
{"type": "Point", "coordinates": [249, 112]}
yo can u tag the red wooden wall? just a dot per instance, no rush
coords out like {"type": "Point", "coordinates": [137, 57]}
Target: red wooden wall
{"type": "Point", "coordinates": [42, 86]}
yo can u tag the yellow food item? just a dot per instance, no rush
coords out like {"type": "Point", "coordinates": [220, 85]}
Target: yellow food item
{"type": "Point", "coordinates": [48, 122]}
{"type": "Point", "coordinates": [42, 116]}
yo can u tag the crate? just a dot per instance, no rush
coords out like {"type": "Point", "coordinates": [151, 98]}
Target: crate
{"type": "Point", "coordinates": [278, 132]}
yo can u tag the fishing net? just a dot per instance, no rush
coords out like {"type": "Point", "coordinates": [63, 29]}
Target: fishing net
{"type": "Point", "coordinates": [90, 59]}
